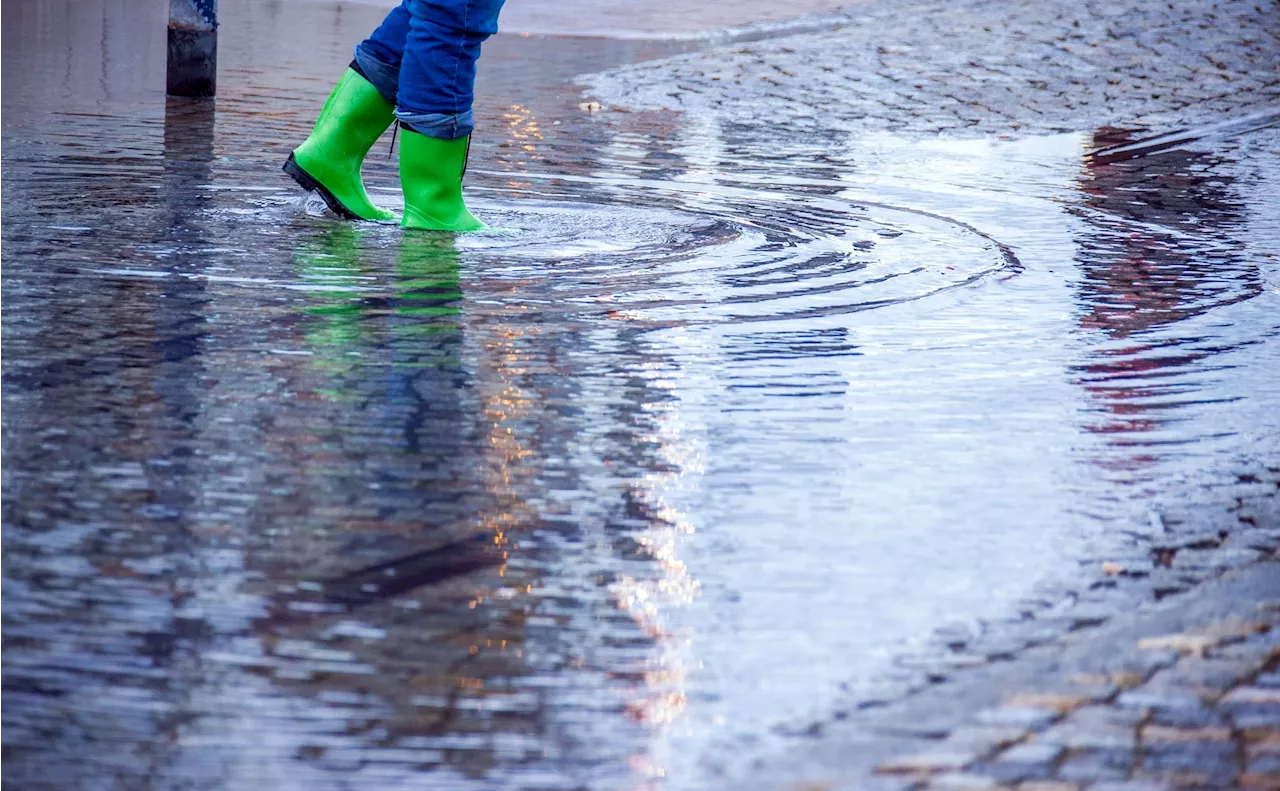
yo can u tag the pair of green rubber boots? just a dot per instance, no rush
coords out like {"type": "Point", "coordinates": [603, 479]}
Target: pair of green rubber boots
{"type": "Point", "coordinates": [352, 120]}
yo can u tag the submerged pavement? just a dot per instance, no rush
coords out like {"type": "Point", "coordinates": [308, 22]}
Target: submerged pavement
{"type": "Point", "coordinates": [1142, 675]}
{"type": "Point", "coordinates": [811, 398]}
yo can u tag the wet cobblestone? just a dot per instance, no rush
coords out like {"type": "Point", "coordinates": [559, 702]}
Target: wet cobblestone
{"type": "Point", "coordinates": [1224, 734]}
{"type": "Point", "coordinates": [983, 67]}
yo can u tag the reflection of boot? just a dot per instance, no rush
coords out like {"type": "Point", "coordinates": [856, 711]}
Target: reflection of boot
{"type": "Point", "coordinates": [352, 120]}
{"type": "Point", "coordinates": [332, 267]}
{"type": "Point", "coordinates": [431, 176]}
{"type": "Point", "coordinates": [428, 288]}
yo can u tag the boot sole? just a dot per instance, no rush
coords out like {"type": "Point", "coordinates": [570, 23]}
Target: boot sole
{"type": "Point", "coordinates": [309, 183]}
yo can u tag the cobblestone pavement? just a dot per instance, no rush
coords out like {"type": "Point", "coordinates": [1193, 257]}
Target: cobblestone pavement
{"type": "Point", "coordinates": [982, 66]}
{"type": "Point", "coordinates": [1151, 689]}
{"type": "Point", "coordinates": [1196, 707]}
{"type": "Point", "coordinates": [645, 19]}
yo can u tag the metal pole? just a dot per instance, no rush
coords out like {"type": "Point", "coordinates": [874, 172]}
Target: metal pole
{"type": "Point", "coordinates": [193, 47]}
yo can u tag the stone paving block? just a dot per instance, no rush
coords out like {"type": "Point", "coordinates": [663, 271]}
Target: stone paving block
{"type": "Point", "coordinates": [1161, 734]}
{"type": "Point", "coordinates": [1084, 616]}
{"type": "Point", "coordinates": [1029, 717]}
{"type": "Point", "coordinates": [1216, 559]}
{"type": "Point", "coordinates": [1188, 718]}
{"type": "Point", "coordinates": [960, 661]}
{"type": "Point", "coordinates": [1131, 785]}
{"type": "Point", "coordinates": [1096, 764]}
{"type": "Point", "coordinates": [1217, 675]}
{"type": "Point", "coordinates": [1238, 628]}
{"type": "Point", "coordinates": [1263, 742]}
{"type": "Point", "coordinates": [1248, 539]}
{"type": "Point", "coordinates": [1210, 763]}
{"type": "Point", "coordinates": [1163, 699]}
{"type": "Point", "coordinates": [1264, 764]}
{"type": "Point", "coordinates": [1253, 707]}
{"type": "Point", "coordinates": [1259, 652]}
{"type": "Point", "coordinates": [1251, 781]}
{"type": "Point", "coordinates": [1147, 662]}
{"type": "Point", "coordinates": [941, 758]}
{"type": "Point", "coordinates": [874, 783]}
{"type": "Point", "coordinates": [1104, 715]}
{"type": "Point", "coordinates": [1252, 696]}
{"type": "Point", "coordinates": [1003, 647]}
{"type": "Point", "coordinates": [1026, 761]}
{"type": "Point", "coordinates": [1100, 727]}
{"type": "Point", "coordinates": [1264, 718]}
{"type": "Point", "coordinates": [959, 781]}
{"type": "Point", "coordinates": [984, 739]}
{"type": "Point", "coordinates": [1177, 780]}
{"type": "Point", "coordinates": [1121, 680]}
{"type": "Point", "coordinates": [1061, 702]}
{"type": "Point", "coordinates": [1007, 775]}
{"type": "Point", "coordinates": [1194, 644]}
{"type": "Point", "coordinates": [1034, 752]}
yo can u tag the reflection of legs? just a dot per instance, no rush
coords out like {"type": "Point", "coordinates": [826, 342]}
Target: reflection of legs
{"type": "Point", "coordinates": [425, 338]}
{"type": "Point", "coordinates": [434, 99]}
{"type": "Point", "coordinates": [438, 72]}
{"type": "Point", "coordinates": [428, 279]}
{"type": "Point", "coordinates": [332, 264]}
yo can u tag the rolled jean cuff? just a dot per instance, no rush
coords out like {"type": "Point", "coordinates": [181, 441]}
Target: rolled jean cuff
{"type": "Point", "coordinates": [382, 75]}
{"type": "Point", "coordinates": [446, 126]}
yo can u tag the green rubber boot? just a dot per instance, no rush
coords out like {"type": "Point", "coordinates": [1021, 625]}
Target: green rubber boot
{"type": "Point", "coordinates": [431, 176]}
{"type": "Point", "coordinates": [352, 120]}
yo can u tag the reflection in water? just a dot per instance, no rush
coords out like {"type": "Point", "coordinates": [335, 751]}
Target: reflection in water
{"type": "Point", "coordinates": [422, 676]}
{"type": "Point", "coordinates": [109, 388]}
{"type": "Point", "coordinates": [1161, 247]}
{"type": "Point", "coordinates": [412, 336]}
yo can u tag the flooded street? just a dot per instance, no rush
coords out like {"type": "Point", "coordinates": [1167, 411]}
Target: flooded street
{"type": "Point", "coordinates": [705, 440]}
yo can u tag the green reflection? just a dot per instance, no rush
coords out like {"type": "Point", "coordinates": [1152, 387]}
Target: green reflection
{"type": "Point", "coordinates": [427, 284]}
{"type": "Point", "coordinates": [337, 280]}
{"type": "Point", "coordinates": [362, 317]}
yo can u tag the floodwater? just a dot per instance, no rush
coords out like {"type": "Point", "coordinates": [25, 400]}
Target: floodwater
{"type": "Point", "coordinates": [709, 430]}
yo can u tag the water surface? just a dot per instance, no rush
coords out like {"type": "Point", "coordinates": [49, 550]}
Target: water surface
{"type": "Point", "coordinates": [709, 429]}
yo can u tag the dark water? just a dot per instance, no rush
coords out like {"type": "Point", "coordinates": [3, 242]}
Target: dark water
{"type": "Point", "coordinates": [712, 426]}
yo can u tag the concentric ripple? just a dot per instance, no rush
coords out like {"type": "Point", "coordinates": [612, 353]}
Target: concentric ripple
{"type": "Point", "coordinates": [734, 262]}
{"type": "Point", "coordinates": [750, 257]}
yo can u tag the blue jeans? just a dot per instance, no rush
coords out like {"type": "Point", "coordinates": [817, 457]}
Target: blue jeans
{"type": "Point", "coordinates": [422, 59]}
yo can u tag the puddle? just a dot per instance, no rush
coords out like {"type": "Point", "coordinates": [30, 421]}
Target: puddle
{"type": "Point", "coordinates": [679, 457]}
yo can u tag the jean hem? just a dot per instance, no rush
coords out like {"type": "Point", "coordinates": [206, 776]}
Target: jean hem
{"type": "Point", "coordinates": [446, 126]}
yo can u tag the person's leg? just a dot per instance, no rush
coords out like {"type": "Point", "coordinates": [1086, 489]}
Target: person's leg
{"type": "Point", "coordinates": [433, 103]}
{"type": "Point", "coordinates": [378, 57]}
{"type": "Point", "coordinates": [358, 111]}
{"type": "Point", "coordinates": [438, 71]}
